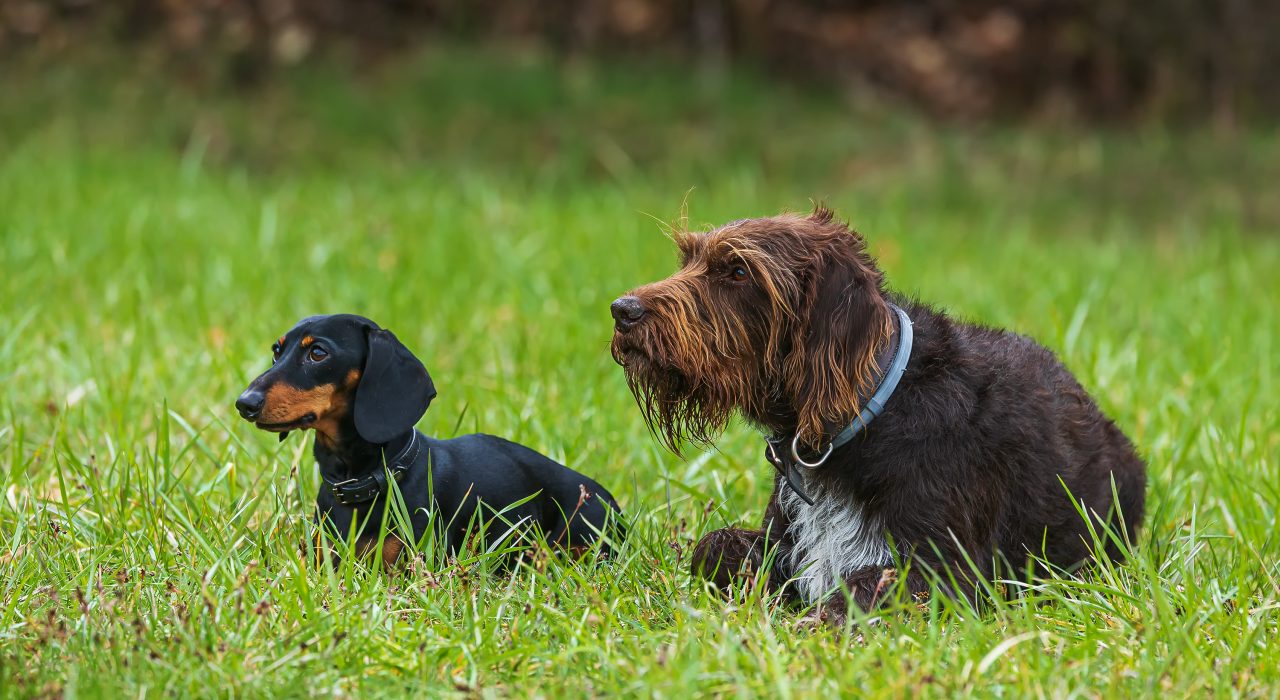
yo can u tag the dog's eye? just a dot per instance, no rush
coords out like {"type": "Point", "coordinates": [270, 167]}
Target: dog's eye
{"type": "Point", "coordinates": [275, 352]}
{"type": "Point", "coordinates": [738, 273]}
{"type": "Point", "coordinates": [317, 354]}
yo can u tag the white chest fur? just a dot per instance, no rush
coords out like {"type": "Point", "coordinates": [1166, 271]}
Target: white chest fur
{"type": "Point", "coordinates": [833, 539]}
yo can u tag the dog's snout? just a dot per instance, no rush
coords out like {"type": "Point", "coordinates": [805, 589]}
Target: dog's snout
{"type": "Point", "coordinates": [627, 312]}
{"type": "Point", "coordinates": [250, 403]}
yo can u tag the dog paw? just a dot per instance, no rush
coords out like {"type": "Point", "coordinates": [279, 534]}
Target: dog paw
{"type": "Point", "coordinates": [819, 618]}
{"type": "Point", "coordinates": [809, 623]}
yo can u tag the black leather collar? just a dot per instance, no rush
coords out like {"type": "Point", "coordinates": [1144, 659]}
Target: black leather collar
{"type": "Point", "coordinates": [356, 491]}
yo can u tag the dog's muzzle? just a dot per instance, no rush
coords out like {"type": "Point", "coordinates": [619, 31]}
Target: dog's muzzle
{"type": "Point", "coordinates": [627, 312]}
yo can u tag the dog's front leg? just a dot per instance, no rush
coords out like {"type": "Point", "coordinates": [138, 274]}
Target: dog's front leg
{"type": "Point", "coordinates": [868, 589]}
{"type": "Point", "coordinates": [728, 555]}
{"type": "Point", "coordinates": [733, 554]}
{"type": "Point", "coordinates": [322, 552]}
{"type": "Point", "coordinates": [390, 550]}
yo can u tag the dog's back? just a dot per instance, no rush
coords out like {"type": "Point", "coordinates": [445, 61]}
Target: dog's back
{"type": "Point", "coordinates": [1023, 407]}
{"type": "Point", "coordinates": [569, 507]}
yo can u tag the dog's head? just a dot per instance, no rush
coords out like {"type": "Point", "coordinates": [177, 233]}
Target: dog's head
{"type": "Point", "coordinates": [338, 373]}
{"type": "Point", "coordinates": [777, 318]}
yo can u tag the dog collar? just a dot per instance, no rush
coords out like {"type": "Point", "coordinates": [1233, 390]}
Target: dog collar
{"type": "Point", "coordinates": [785, 458]}
{"type": "Point", "coordinates": [355, 491]}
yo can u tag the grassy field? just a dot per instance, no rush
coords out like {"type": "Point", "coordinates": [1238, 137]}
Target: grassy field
{"type": "Point", "coordinates": [156, 235]}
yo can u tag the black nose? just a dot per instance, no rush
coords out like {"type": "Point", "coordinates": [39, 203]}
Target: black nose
{"type": "Point", "coordinates": [250, 403]}
{"type": "Point", "coordinates": [627, 312]}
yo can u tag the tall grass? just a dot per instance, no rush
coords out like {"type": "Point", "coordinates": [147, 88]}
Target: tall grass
{"type": "Point", "coordinates": [157, 236]}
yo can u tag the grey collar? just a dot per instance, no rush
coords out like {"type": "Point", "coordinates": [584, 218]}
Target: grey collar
{"type": "Point", "coordinates": [785, 458]}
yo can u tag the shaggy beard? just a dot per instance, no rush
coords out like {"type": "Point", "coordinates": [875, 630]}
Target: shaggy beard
{"type": "Point", "coordinates": [678, 409]}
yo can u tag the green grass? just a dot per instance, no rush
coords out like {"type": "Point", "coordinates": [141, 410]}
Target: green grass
{"type": "Point", "coordinates": [158, 234]}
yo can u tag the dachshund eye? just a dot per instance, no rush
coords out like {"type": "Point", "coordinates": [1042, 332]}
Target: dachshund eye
{"type": "Point", "coordinates": [738, 273]}
{"type": "Point", "coordinates": [317, 354]}
{"type": "Point", "coordinates": [275, 353]}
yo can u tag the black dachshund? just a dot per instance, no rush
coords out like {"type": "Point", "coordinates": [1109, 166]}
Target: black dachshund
{"type": "Point", "coordinates": [362, 392]}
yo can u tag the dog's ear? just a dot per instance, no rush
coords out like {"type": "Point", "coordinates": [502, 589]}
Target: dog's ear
{"type": "Point", "coordinates": [394, 390]}
{"type": "Point", "coordinates": [843, 320]}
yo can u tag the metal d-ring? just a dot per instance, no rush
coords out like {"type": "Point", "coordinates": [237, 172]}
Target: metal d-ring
{"type": "Point", "coordinates": [795, 454]}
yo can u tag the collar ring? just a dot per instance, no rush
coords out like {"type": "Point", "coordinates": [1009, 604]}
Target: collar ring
{"type": "Point", "coordinates": [795, 454]}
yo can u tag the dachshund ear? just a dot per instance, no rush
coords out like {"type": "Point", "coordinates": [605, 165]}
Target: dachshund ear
{"type": "Point", "coordinates": [394, 389]}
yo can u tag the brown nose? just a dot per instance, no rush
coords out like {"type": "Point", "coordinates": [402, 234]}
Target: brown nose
{"type": "Point", "coordinates": [627, 312]}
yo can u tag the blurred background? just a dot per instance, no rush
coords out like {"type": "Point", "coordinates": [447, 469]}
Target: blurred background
{"type": "Point", "coordinates": [1088, 58]}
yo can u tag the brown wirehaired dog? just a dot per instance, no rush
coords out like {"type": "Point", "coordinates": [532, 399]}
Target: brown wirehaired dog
{"type": "Point", "coordinates": [900, 436]}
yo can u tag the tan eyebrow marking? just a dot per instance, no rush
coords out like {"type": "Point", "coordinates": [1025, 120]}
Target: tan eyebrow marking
{"type": "Point", "coordinates": [307, 341]}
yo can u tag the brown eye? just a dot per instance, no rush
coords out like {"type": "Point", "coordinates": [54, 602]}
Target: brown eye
{"type": "Point", "coordinates": [317, 354]}
{"type": "Point", "coordinates": [738, 273]}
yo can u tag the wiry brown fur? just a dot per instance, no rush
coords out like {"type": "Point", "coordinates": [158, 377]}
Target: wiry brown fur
{"type": "Point", "coordinates": [983, 456]}
{"type": "Point", "coordinates": [803, 329]}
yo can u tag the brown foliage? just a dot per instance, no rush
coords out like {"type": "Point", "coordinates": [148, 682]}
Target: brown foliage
{"type": "Point", "coordinates": [959, 59]}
